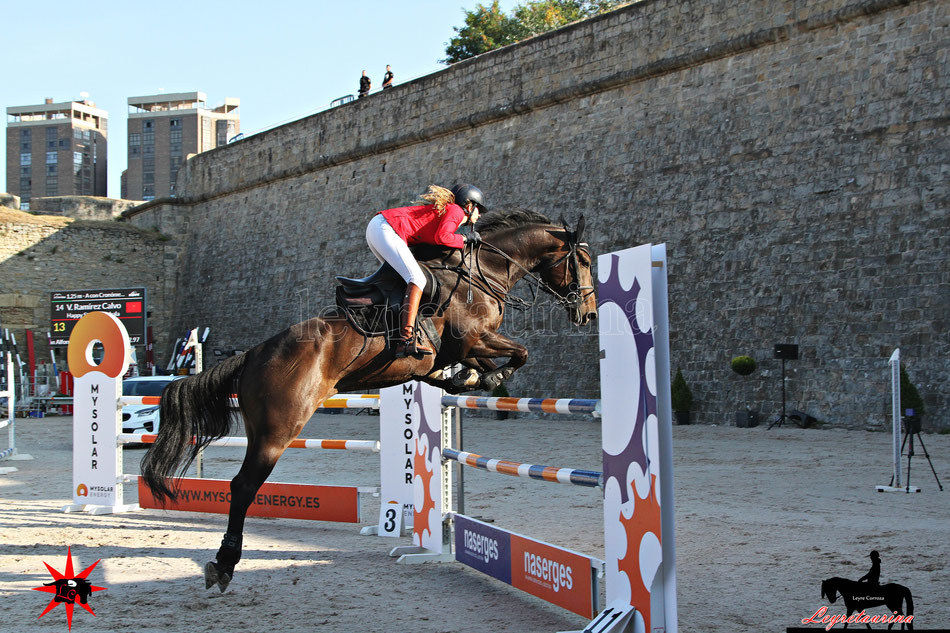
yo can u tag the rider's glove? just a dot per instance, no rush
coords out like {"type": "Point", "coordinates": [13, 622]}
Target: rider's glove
{"type": "Point", "coordinates": [473, 238]}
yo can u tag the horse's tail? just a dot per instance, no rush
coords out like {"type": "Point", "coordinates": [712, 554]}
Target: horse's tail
{"type": "Point", "coordinates": [196, 407]}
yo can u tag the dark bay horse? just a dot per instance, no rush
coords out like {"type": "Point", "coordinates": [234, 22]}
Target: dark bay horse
{"type": "Point", "coordinates": [862, 595]}
{"type": "Point", "coordinates": [281, 382]}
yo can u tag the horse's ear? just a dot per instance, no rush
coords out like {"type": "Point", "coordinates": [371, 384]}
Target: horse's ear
{"type": "Point", "coordinates": [579, 231]}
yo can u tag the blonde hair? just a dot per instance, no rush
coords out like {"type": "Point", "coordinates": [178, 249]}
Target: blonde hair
{"type": "Point", "coordinates": [438, 197]}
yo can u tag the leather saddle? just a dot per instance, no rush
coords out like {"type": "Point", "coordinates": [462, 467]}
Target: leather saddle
{"type": "Point", "coordinates": [372, 304]}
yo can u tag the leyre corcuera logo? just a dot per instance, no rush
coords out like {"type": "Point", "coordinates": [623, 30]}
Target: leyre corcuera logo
{"type": "Point", "coordinates": [861, 600]}
{"type": "Point", "coordinates": [69, 589]}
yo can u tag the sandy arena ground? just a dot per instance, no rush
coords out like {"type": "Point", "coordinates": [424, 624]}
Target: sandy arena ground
{"type": "Point", "coordinates": [761, 518]}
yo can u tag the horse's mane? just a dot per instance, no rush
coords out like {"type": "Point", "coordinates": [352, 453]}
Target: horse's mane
{"type": "Point", "coordinates": [510, 219]}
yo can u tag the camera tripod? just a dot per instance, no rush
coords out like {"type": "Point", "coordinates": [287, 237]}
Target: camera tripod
{"type": "Point", "coordinates": [912, 428]}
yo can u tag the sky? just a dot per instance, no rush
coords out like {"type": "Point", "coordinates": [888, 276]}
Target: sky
{"type": "Point", "coordinates": [284, 59]}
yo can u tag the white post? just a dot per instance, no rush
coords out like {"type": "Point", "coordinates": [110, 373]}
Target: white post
{"type": "Point", "coordinates": [10, 453]}
{"type": "Point", "coordinates": [895, 363]}
{"type": "Point", "coordinates": [895, 485]}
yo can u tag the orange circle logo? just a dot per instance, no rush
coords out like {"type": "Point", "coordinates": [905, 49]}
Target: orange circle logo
{"type": "Point", "coordinates": [82, 491]}
{"type": "Point", "coordinates": [108, 330]}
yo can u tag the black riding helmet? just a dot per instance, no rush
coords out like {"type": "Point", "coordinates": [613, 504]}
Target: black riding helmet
{"type": "Point", "coordinates": [469, 193]}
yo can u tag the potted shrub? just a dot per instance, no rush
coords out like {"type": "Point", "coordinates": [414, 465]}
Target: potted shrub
{"type": "Point", "coordinates": [682, 398]}
{"type": "Point", "coordinates": [500, 392]}
{"type": "Point", "coordinates": [745, 365]}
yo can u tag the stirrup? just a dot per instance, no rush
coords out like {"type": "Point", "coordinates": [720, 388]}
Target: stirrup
{"type": "Point", "coordinates": [411, 347]}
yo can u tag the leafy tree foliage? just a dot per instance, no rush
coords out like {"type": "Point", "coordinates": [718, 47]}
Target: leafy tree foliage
{"type": "Point", "coordinates": [488, 27]}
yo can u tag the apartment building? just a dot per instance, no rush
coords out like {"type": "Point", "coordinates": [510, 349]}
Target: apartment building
{"type": "Point", "coordinates": [164, 130]}
{"type": "Point", "coordinates": [56, 149]}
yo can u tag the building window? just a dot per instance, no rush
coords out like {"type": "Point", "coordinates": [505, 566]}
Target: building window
{"type": "Point", "coordinates": [25, 135]}
{"type": "Point", "coordinates": [77, 133]}
{"type": "Point", "coordinates": [26, 159]}
{"type": "Point", "coordinates": [147, 125]}
{"type": "Point", "coordinates": [52, 187]}
{"type": "Point", "coordinates": [25, 172]}
{"type": "Point", "coordinates": [63, 142]}
{"type": "Point", "coordinates": [205, 135]}
{"type": "Point", "coordinates": [77, 162]}
{"type": "Point", "coordinates": [135, 142]}
{"type": "Point", "coordinates": [51, 170]}
{"type": "Point", "coordinates": [25, 146]}
{"type": "Point", "coordinates": [174, 123]}
{"type": "Point", "coordinates": [52, 158]}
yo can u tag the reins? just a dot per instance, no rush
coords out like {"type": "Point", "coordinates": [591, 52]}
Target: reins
{"type": "Point", "coordinates": [473, 269]}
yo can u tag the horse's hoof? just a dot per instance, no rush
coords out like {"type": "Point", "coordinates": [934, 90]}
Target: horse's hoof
{"type": "Point", "coordinates": [211, 575]}
{"type": "Point", "coordinates": [490, 381]}
{"type": "Point", "coordinates": [468, 377]}
{"type": "Point", "coordinates": [215, 577]}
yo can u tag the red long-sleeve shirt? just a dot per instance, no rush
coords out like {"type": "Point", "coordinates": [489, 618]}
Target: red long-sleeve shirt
{"type": "Point", "coordinates": [424, 225]}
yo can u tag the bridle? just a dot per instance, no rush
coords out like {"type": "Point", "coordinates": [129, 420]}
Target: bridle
{"type": "Point", "coordinates": [573, 299]}
{"type": "Point", "coordinates": [576, 293]}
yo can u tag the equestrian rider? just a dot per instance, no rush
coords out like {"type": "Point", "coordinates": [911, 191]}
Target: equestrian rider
{"type": "Point", "coordinates": [873, 577]}
{"type": "Point", "coordinates": [433, 220]}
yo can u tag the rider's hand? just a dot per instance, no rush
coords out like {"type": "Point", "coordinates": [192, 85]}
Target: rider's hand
{"type": "Point", "coordinates": [473, 238]}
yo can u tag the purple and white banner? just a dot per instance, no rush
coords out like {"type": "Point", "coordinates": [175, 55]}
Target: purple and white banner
{"type": "Point", "coordinates": [636, 421]}
{"type": "Point", "coordinates": [429, 478]}
{"type": "Point", "coordinates": [558, 575]}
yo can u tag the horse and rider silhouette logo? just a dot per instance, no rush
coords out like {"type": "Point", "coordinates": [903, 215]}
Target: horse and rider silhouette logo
{"type": "Point", "coordinates": [69, 588]}
{"type": "Point", "coordinates": [867, 592]}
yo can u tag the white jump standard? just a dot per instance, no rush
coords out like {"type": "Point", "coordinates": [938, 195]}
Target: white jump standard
{"type": "Point", "coordinates": [637, 475]}
{"type": "Point", "coordinates": [10, 452]}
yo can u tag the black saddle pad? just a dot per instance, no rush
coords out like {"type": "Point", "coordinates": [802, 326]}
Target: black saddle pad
{"type": "Point", "coordinates": [372, 304]}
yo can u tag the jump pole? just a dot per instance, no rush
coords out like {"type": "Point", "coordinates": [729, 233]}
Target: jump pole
{"type": "Point", "coordinates": [9, 392]}
{"type": "Point", "coordinates": [636, 420]}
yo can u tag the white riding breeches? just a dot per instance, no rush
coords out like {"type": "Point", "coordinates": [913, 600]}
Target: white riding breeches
{"type": "Point", "coordinates": [388, 247]}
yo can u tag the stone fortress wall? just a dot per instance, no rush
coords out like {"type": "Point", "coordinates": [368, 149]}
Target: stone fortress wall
{"type": "Point", "coordinates": [791, 154]}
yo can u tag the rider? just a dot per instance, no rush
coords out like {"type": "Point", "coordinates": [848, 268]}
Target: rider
{"type": "Point", "coordinates": [873, 577]}
{"type": "Point", "coordinates": [434, 220]}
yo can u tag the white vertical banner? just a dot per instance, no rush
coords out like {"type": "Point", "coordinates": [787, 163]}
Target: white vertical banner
{"type": "Point", "coordinates": [635, 419]}
{"type": "Point", "coordinates": [895, 363]}
{"type": "Point", "coordinates": [97, 460]}
{"type": "Point", "coordinates": [398, 422]}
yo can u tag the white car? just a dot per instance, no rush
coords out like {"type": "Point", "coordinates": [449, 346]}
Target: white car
{"type": "Point", "coordinates": [143, 418]}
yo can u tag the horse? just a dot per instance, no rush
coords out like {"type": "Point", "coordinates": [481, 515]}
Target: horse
{"type": "Point", "coordinates": [281, 382]}
{"type": "Point", "coordinates": [861, 595]}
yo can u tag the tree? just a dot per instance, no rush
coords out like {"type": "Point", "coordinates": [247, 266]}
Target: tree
{"type": "Point", "coordinates": [488, 28]}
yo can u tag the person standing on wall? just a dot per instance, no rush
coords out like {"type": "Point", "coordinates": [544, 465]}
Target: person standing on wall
{"type": "Point", "coordinates": [365, 85]}
{"type": "Point", "coordinates": [388, 78]}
